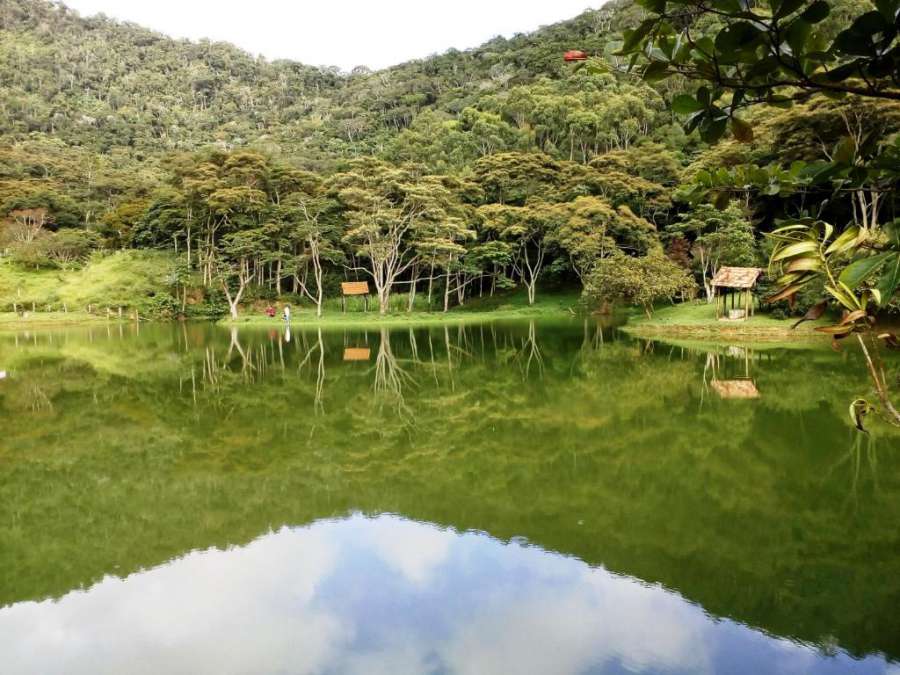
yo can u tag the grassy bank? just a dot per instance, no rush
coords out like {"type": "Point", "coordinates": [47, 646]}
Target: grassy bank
{"type": "Point", "coordinates": [697, 321]}
{"type": "Point", "coordinates": [128, 279]}
{"type": "Point", "coordinates": [11, 321]}
{"type": "Point", "coordinates": [507, 307]}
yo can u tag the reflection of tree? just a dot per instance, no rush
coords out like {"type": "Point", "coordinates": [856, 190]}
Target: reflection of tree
{"type": "Point", "coordinates": [863, 450]}
{"type": "Point", "coordinates": [317, 347]}
{"type": "Point", "coordinates": [40, 402]}
{"type": "Point", "coordinates": [730, 496]}
{"type": "Point", "coordinates": [531, 352]}
{"type": "Point", "coordinates": [390, 378]}
{"type": "Point", "coordinates": [247, 366]}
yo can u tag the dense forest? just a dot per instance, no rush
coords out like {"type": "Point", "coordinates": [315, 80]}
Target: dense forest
{"type": "Point", "coordinates": [217, 178]}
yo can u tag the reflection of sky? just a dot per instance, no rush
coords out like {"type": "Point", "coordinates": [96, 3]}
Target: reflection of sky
{"type": "Point", "coordinates": [387, 595]}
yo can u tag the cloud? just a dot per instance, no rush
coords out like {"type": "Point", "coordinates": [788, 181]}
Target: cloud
{"type": "Point", "coordinates": [346, 34]}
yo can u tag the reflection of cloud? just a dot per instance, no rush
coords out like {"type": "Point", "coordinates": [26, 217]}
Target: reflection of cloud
{"type": "Point", "coordinates": [408, 547]}
{"type": "Point", "coordinates": [386, 595]}
{"type": "Point", "coordinates": [242, 610]}
{"type": "Point", "coordinates": [594, 618]}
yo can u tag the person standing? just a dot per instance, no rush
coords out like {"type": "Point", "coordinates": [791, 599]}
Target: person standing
{"type": "Point", "coordinates": [287, 314]}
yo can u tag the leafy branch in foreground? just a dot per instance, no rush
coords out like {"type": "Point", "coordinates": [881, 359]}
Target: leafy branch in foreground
{"type": "Point", "coordinates": [775, 53]}
{"type": "Point", "coordinates": [747, 53]}
{"type": "Point", "coordinates": [869, 277]}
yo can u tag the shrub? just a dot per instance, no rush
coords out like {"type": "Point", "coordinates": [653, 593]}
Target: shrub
{"type": "Point", "coordinates": [638, 281]}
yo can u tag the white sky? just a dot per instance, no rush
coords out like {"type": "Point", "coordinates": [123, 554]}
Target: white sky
{"type": "Point", "coordinates": [344, 33]}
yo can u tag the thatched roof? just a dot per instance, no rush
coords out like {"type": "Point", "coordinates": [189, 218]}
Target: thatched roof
{"type": "Point", "coordinates": [737, 277]}
{"type": "Point", "coordinates": [735, 388]}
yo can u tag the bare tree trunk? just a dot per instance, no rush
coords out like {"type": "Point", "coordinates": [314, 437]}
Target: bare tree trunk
{"type": "Point", "coordinates": [412, 288]}
{"type": "Point", "coordinates": [278, 277]}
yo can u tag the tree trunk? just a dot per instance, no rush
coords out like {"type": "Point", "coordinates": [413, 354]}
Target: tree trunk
{"type": "Point", "coordinates": [412, 288]}
{"type": "Point", "coordinates": [278, 278]}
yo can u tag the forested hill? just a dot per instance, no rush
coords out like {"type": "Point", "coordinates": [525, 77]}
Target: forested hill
{"type": "Point", "coordinates": [502, 165]}
{"type": "Point", "coordinates": [102, 84]}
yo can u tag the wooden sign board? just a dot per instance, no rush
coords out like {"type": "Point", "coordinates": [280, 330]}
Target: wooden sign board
{"type": "Point", "coordinates": [355, 288]}
{"type": "Point", "coordinates": [735, 388]}
{"type": "Point", "coordinates": [357, 354]}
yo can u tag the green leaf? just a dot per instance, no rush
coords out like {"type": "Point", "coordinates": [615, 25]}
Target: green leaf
{"type": "Point", "coordinates": [870, 23]}
{"type": "Point", "coordinates": [889, 283]}
{"type": "Point", "coordinates": [843, 296]}
{"type": "Point", "coordinates": [684, 104]}
{"type": "Point", "coordinates": [736, 36]}
{"type": "Point", "coordinates": [854, 43]}
{"type": "Point", "coordinates": [713, 128]}
{"type": "Point", "coordinates": [785, 293]}
{"type": "Point", "coordinates": [841, 73]}
{"type": "Point", "coordinates": [657, 70]}
{"type": "Point", "coordinates": [794, 250]}
{"type": "Point", "coordinates": [796, 36]}
{"type": "Point", "coordinates": [788, 7]}
{"type": "Point", "coordinates": [858, 271]}
{"type": "Point", "coordinates": [655, 6]}
{"type": "Point", "coordinates": [816, 12]}
{"type": "Point", "coordinates": [741, 130]}
{"type": "Point", "coordinates": [888, 8]}
{"type": "Point", "coordinates": [634, 37]}
{"type": "Point", "coordinates": [844, 151]}
{"type": "Point", "coordinates": [764, 67]}
{"type": "Point", "coordinates": [809, 264]}
{"type": "Point", "coordinates": [845, 241]}
{"type": "Point", "coordinates": [777, 101]}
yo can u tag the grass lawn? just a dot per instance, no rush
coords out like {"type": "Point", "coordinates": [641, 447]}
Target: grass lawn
{"type": "Point", "coordinates": [11, 321]}
{"type": "Point", "coordinates": [698, 319]}
{"type": "Point", "coordinates": [512, 306]}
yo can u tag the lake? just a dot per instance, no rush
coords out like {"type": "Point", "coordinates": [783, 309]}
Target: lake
{"type": "Point", "coordinates": [499, 498]}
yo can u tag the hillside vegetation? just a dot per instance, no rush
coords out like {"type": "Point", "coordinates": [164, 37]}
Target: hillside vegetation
{"type": "Point", "coordinates": [450, 177]}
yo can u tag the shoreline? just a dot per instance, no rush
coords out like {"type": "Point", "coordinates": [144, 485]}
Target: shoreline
{"type": "Point", "coordinates": [11, 322]}
{"type": "Point", "coordinates": [698, 321]}
{"type": "Point", "coordinates": [554, 306]}
{"type": "Point", "coordinates": [373, 319]}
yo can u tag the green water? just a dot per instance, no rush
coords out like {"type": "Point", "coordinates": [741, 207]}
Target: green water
{"type": "Point", "coordinates": [524, 498]}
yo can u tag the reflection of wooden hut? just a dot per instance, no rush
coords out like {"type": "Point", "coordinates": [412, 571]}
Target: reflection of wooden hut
{"type": "Point", "coordinates": [736, 283]}
{"type": "Point", "coordinates": [357, 354]}
{"type": "Point", "coordinates": [735, 388]}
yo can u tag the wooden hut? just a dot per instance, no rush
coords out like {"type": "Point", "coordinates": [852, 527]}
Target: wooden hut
{"type": "Point", "coordinates": [736, 283]}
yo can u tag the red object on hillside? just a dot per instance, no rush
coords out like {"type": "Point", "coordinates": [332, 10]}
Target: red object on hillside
{"type": "Point", "coordinates": [575, 55]}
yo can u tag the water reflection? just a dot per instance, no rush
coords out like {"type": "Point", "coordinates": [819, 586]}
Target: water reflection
{"type": "Point", "coordinates": [387, 595]}
{"type": "Point", "coordinates": [121, 451]}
